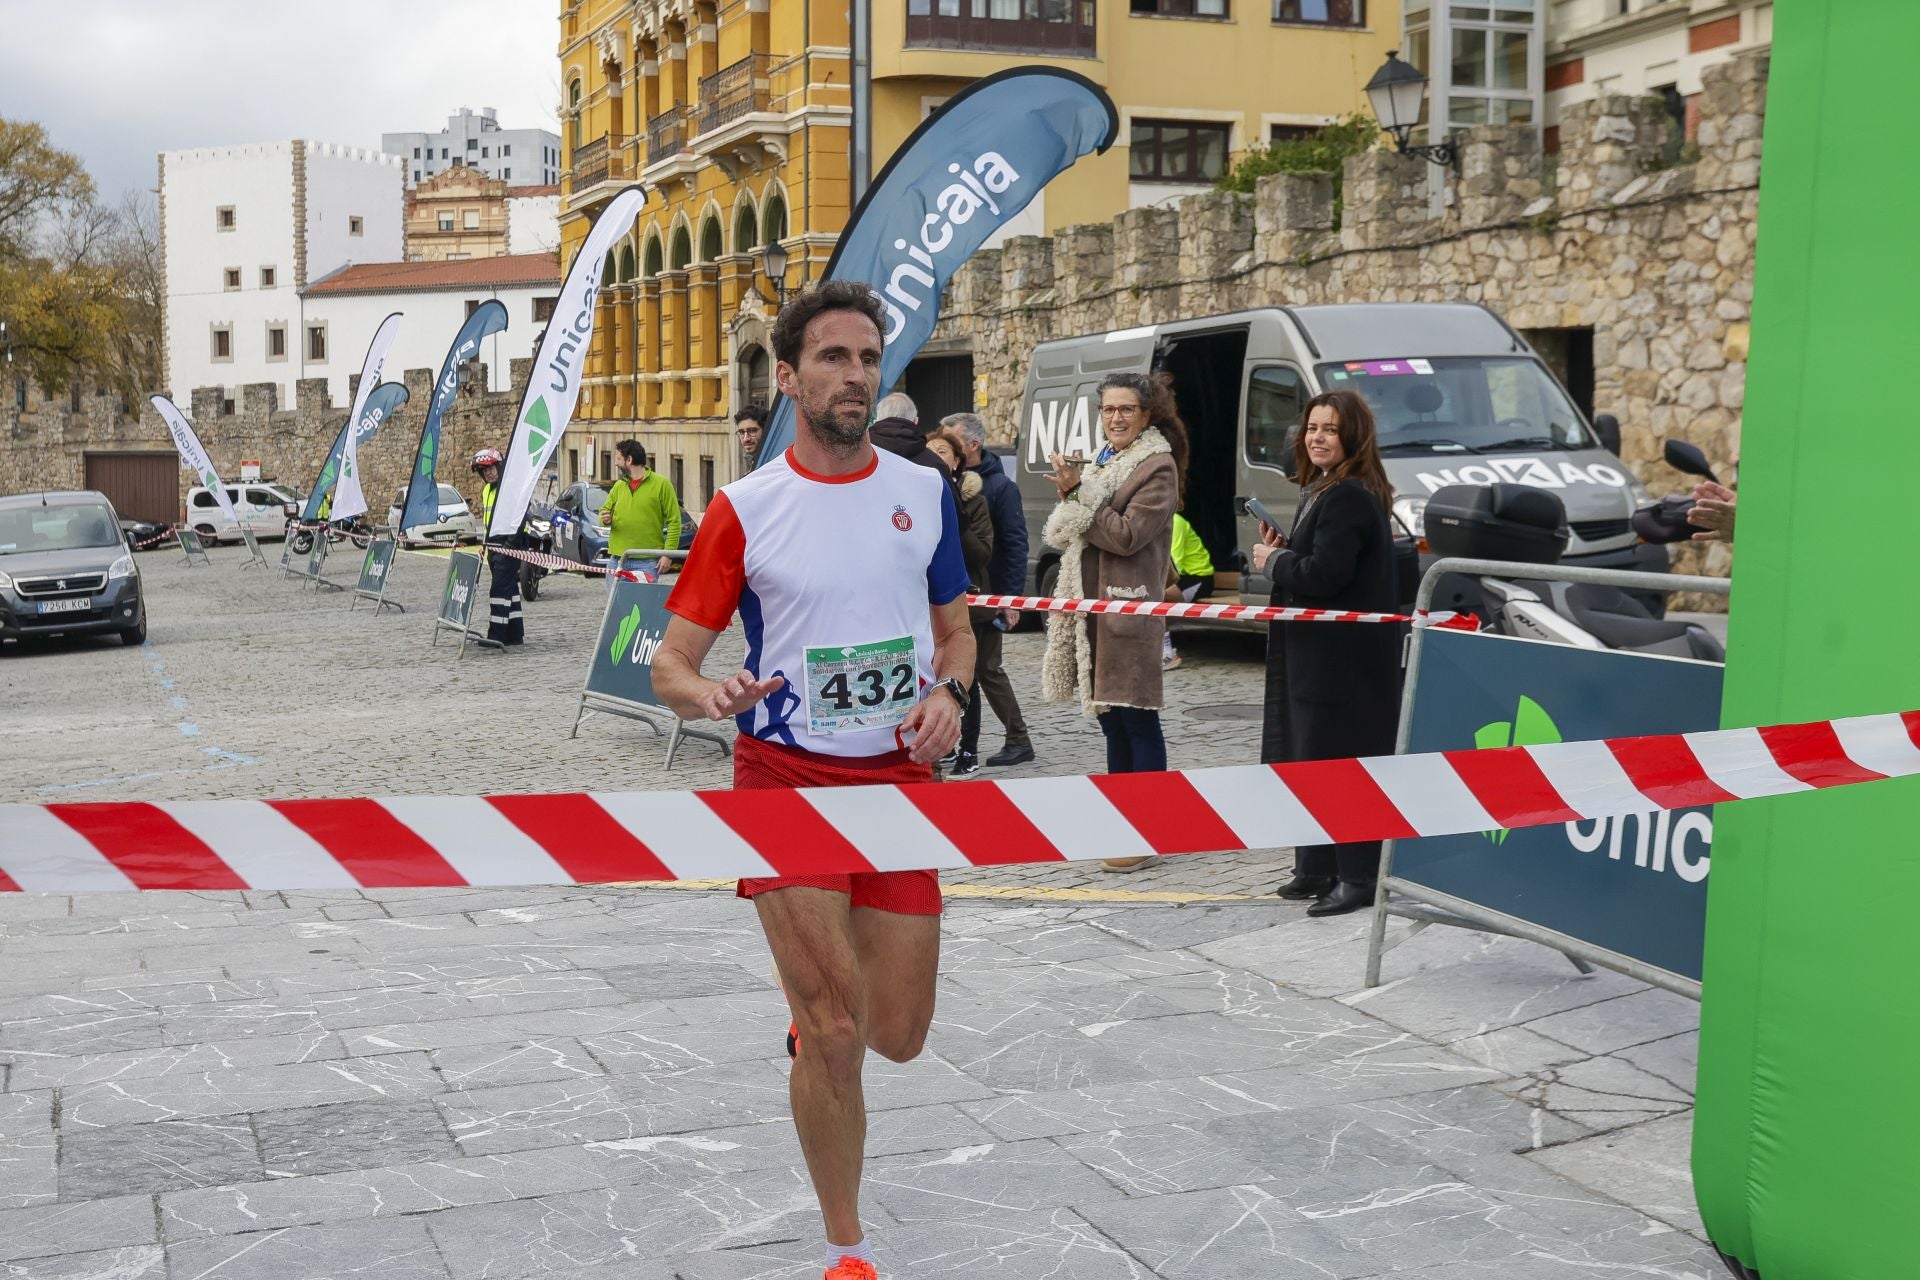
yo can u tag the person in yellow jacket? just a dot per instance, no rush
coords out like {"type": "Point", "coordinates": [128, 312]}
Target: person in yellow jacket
{"type": "Point", "coordinates": [641, 509]}
{"type": "Point", "coordinates": [1193, 579]}
{"type": "Point", "coordinates": [505, 625]}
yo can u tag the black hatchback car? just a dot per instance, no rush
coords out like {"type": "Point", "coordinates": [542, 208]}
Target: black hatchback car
{"type": "Point", "coordinates": [65, 569]}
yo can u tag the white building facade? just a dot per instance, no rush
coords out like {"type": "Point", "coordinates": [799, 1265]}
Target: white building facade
{"type": "Point", "coordinates": [1646, 47]}
{"type": "Point", "coordinates": [243, 229]}
{"type": "Point", "coordinates": [475, 139]}
{"type": "Point", "coordinates": [434, 299]}
{"type": "Point", "coordinates": [533, 219]}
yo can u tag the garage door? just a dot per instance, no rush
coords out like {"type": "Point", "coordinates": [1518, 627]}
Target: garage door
{"type": "Point", "coordinates": [141, 486]}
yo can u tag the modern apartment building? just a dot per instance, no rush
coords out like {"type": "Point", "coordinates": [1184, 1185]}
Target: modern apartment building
{"type": "Point", "coordinates": [475, 140]}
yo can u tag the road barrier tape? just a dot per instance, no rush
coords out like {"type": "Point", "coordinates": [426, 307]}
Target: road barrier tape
{"type": "Point", "coordinates": [1443, 618]}
{"type": "Point", "coordinates": [588, 838]}
{"type": "Point", "coordinates": [546, 561]}
{"type": "Point", "coordinates": [155, 540]}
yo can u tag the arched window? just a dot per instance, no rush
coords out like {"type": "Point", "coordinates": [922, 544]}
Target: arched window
{"type": "Point", "coordinates": [775, 220]}
{"type": "Point", "coordinates": [710, 246]}
{"type": "Point", "coordinates": [652, 259]}
{"type": "Point", "coordinates": [577, 125]}
{"type": "Point", "coordinates": [746, 229]}
{"type": "Point", "coordinates": [626, 264]}
{"type": "Point", "coordinates": [612, 272]}
{"type": "Point", "coordinates": [682, 249]}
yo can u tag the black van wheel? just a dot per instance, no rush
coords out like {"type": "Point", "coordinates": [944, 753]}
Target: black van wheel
{"type": "Point", "coordinates": [136, 634]}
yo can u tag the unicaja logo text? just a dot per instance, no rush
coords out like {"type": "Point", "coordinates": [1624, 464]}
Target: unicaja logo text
{"type": "Point", "coordinates": [972, 189]}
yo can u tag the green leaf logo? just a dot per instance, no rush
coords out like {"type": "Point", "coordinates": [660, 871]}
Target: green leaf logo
{"type": "Point", "coordinates": [624, 636]}
{"type": "Point", "coordinates": [428, 447]}
{"type": "Point", "coordinates": [209, 481]}
{"type": "Point", "coordinates": [1531, 726]}
{"type": "Point", "coordinates": [539, 429]}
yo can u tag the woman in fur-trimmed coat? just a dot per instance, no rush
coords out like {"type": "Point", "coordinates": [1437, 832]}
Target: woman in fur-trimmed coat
{"type": "Point", "coordinates": [1114, 528]}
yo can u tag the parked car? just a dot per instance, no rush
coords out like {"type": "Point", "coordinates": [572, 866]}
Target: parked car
{"type": "Point", "coordinates": [263, 506]}
{"type": "Point", "coordinates": [455, 522]}
{"type": "Point", "coordinates": [143, 535]}
{"type": "Point", "coordinates": [65, 569]}
{"type": "Point", "coordinates": [575, 516]}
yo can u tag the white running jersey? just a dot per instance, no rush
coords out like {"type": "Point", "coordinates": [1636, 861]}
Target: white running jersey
{"type": "Point", "coordinates": [832, 577]}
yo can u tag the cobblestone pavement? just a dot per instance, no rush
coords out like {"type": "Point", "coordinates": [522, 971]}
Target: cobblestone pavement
{"type": "Point", "coordinates": [1168, 1074]}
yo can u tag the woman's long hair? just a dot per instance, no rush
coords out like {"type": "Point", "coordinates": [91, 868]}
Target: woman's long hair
{"type": "Point", "coordinates": [1358, 439]}
{"type": "Point", "coordinates": [1163, 413]}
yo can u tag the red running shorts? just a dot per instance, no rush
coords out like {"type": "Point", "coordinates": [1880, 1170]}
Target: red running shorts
{"type": "Point", "coordinates": [758, 764]}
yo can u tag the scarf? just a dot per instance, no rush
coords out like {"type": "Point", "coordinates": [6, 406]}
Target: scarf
{"type": "Point", "coordinates": [1067, 668]}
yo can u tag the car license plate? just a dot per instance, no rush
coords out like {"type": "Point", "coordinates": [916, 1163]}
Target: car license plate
{"type": "Point", "coordinates": [79, 605]}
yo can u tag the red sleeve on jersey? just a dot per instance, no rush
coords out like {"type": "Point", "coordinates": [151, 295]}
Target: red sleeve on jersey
{"type": "Point", "coordinates": [715, 569]}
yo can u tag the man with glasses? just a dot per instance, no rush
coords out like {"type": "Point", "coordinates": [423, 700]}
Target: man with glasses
{"type": "Point", "coordinates": [750, 425]}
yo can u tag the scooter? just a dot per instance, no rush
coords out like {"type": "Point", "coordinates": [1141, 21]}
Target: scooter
{"type": "Point", "coordinates": [338, 531]}
{"type": "Point", "coordinates": [1520, 523]}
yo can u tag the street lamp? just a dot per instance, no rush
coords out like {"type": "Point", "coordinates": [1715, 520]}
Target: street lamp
{"type": "Point", "coordinates": [775, 259]}
{"type": "Point", "coordinates": [1396, 92]}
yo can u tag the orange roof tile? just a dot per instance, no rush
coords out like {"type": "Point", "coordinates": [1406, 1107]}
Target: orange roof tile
{"type": "Point", "coordinates": [550, 189]}
{"type": "Point", "coordinates": [464, 273]}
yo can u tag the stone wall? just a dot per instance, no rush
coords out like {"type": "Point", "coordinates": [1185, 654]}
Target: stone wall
{"type": "Point", "coordinates": [1658, 262]}
{"type": "Point", "coordinates": [46, 445]}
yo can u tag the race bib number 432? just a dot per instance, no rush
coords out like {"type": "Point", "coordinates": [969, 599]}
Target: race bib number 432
{"type": "Point", "coordinates": [861, 686]}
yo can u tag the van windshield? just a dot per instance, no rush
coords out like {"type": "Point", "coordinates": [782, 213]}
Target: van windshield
{"type": "Point", "coordinates": [1462, 404]}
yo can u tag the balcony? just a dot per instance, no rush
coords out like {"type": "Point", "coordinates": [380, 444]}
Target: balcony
{"type": "Point", "coordinates": [600, 161]}
{"type": "Point", "coordinates": [735, 91]}
{"type": "Point", "coordinates": [1056, 28]}
{"type": "Point", "coordinates": [667, 134]}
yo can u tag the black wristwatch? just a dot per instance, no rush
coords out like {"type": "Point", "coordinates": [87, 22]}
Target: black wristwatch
{"type": "Point", "coordinates": [954, 687]}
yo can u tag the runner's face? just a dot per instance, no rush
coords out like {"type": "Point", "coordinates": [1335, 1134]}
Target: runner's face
{"type": "Point", "coordinates": [838, 376]}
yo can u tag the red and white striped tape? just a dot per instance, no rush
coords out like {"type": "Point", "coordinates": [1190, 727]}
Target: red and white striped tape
{"type": "Point", "coordinates": [155, 540]}
{"type": "Point", "coordinates": [582, 838]}
{"type": "Point", "coordinates": [546, 561]}
{"type": "Point", "coordinates": [1225, 612]}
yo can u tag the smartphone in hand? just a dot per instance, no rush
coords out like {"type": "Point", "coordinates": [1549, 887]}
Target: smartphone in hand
{"type": "Point", "coordinates": [1253, 508]}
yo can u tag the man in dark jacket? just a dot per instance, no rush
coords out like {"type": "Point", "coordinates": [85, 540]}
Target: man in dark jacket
{"type": "Point", "coordinates": [1007, 575]}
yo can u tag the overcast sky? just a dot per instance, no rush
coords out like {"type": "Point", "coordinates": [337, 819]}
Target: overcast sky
{"type": "Point", "coordinates": [118, 81]}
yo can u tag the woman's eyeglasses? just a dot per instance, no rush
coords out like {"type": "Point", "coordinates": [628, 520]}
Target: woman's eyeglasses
{"type": "Point", "coordinates": [1120, 410]}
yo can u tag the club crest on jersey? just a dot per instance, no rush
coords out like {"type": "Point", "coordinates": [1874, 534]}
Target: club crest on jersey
{"type": "Point", "coordinates": [901, 520]}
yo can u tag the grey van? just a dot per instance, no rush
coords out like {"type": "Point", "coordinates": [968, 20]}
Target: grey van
{"type": "Point", "coordinates": [1458, 396]}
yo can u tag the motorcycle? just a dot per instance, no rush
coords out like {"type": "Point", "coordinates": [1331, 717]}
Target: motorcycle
{"type": "Point", "coordinates": [537, 534]}
{"type": "Point", "coordinates": [348, 528]}
{"type": "Point", "coordinates": [1665, 520]}
{"type": "Point", "coordinates": [1519, 523]}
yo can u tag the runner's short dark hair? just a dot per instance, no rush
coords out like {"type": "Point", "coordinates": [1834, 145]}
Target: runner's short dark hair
{"type": "Point", "coordinates": [633, 451]}
{"type": "Point", "coordinates": [790, 330]}
{"type": "Point", "coordinates": [755, 412]}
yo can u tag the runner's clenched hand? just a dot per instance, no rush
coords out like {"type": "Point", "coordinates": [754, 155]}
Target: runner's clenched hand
{"type": "Point", "coordinates": [934, 723]}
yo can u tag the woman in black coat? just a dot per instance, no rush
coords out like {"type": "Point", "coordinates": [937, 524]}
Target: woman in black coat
{"type": "Point", "coordinates": [1333, 688]}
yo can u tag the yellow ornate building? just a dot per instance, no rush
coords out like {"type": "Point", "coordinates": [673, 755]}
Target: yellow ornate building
{"type": "Point", "coordinates": [735, 117]}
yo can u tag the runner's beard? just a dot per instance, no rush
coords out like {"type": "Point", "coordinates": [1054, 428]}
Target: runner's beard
{"type": "Point", "coordinates": [829, 425]}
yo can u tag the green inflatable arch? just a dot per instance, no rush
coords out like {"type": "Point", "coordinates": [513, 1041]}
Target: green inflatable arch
{"type": "Point", "coordinates": [1806, 1154]}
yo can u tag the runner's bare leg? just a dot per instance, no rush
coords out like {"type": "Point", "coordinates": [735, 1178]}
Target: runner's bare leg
{"type": "Point", "coordinates": [899, 960]}
{"type": "Point", "coordinates": [811, 934]}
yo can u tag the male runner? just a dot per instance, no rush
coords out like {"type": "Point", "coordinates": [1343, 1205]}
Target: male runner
{"type": "Point", "coordinates": [844, 565]}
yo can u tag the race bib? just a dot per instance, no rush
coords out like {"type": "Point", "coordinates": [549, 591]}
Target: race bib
{"type": "Point", "coordinates": [861, 686]}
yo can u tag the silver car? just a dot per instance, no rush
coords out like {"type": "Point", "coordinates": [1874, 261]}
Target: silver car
{"type": "Point", "coordinates": [455, 522]}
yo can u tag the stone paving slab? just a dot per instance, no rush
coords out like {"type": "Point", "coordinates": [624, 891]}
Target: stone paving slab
{"type": "Point", "coordinates": [1168, 1074]}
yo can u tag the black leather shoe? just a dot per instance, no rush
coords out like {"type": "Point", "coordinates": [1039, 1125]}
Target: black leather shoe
{"type": "Point", "coordinates": [1345, 897]}
{"type": "Point", "coordinates": [1009, 755]}
{"type": "Point", "coordinates": [1301, 888]}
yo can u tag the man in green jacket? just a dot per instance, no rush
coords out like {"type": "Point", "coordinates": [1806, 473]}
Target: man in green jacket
{"type": "Point", "coordinates": [641, 510]}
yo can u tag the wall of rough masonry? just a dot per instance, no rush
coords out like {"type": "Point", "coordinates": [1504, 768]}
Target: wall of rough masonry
{"type": "Point", "coordinates": [45, 446]}
{"type": "Point", "coordinates": [1657, 261]}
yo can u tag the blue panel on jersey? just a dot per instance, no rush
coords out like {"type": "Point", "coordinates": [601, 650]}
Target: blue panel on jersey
{"type": "Point", "coordinates": [947, 571]}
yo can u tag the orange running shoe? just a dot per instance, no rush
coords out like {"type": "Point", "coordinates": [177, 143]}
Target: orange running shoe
{"type": "Point", "coordinates": [852, 1269]}
{"type": "Point", "coordinates": [793, 1040]}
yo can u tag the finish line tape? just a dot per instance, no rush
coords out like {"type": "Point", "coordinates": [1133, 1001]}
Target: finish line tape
{"type": "Point", "coordinates": [1445, 618]}
{"type": "Point", "coordinates": [582, 838]}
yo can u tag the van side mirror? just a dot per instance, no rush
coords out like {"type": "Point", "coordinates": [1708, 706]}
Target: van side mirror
{"type": "Point", "coordinates": [1683, 456]}
{"type": "Point", "coordinates": [1607, 427]}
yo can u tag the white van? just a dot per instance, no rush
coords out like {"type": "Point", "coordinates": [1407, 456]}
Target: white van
{"type": "Point", "coordinates": [454, 522]}
{"type": "Point", "coordinates": [1459, 398]}
{"type": "Point", "coordinates": [262, 506]}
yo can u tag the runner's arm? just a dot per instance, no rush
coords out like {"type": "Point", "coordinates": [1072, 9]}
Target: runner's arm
{"type": "Point", "coordinates": [935, 720]}
{"type": "Point", "coordinates": [678, 684]}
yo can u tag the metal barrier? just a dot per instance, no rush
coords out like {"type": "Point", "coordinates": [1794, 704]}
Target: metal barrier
{"type": "Point", "coordinates": [1423, 904]}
